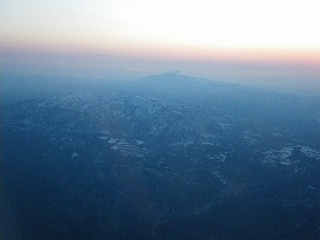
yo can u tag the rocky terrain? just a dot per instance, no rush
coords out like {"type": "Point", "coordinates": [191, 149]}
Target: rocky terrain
{"type": "Point", "coordinates": [166, 157]}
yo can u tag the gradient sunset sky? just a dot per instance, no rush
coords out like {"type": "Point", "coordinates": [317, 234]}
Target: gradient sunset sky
{"type": "Point", "coordinates": [131, 38]}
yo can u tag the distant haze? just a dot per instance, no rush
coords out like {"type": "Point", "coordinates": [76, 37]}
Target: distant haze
{"type": "Point", "coordinates": [265, 43]}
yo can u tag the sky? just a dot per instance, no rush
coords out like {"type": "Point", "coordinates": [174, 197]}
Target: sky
{"type": "Point", "coordinates": [233, 39]}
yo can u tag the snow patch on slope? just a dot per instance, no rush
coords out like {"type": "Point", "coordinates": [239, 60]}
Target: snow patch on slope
{"type": "Point", "coordinates": [284, 155]}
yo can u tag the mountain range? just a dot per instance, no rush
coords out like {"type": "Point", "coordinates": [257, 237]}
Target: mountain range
{"type": "Point", "coordinates": [162, 157]}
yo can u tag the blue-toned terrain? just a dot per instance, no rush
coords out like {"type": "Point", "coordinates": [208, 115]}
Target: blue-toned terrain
{"type": "Point", "coordinates": [162, 157]}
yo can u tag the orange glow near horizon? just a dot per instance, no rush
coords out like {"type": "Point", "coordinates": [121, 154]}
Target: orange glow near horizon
{"type": "Point", "coordinates": [151, 59]}
{"type": "Point", "coordinates": [122, 49]}
{"type": "Point", "coordinates": [244, 37]}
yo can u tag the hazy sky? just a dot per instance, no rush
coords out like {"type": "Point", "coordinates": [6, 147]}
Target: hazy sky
{"type": "Point", "coordinates": [122, 38]}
